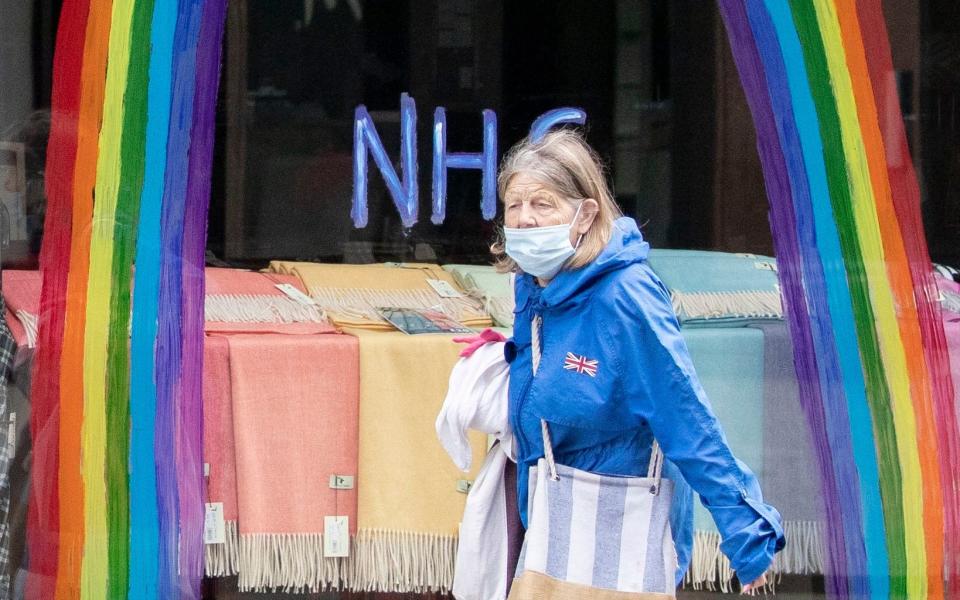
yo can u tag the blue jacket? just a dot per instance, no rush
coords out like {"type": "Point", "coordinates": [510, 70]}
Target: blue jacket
{"type": "Point", "coordinates": [616, 311]}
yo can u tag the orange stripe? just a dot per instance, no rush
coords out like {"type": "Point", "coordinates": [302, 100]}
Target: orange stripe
{"type": "Point", "coordinates": [93, 79]}
{"type": "Point", "coordinates": [902, 284]}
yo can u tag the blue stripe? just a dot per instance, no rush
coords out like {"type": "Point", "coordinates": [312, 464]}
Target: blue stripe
{"type": "Point", "coordinates": [655, 572]}
{"type": "Point", "coordinates": [560, 509]}
{"type": "Point", "coordinates": [169, 308]}
{"type": "Point", "coordinates": [609, 529]}
{"type": "Point", "coordinates": [144, 516]}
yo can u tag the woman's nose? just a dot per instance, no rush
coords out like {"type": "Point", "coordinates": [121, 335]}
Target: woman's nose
{"type": "Point", "coordinates": [527, 217]}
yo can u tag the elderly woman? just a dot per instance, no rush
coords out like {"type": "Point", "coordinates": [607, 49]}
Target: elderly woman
{"type": "Point", "coordinates": [613, 371]}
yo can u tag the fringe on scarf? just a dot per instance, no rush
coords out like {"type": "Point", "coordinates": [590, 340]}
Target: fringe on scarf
{"type": "Point", "coordinates": [500, 309]}
{"type": "Point", "coordinates": [379, 561]}
{"type": "Point", "coordinates": [362, 303]}
{"type": "Point", "coordinates": [29, 322]}
{"type": "Point", "coordinates": [402, 561]}
{"type": "Point", "coordinates": [803, 555]}
{"type": "Point", "coordinates": [223, 560]}
{"type": "Point", "coordinates": [247, 308]}
{"type": "Point", "coordinates": [288, 563]}
{"type": "Point", "coordinates": [720, 305]}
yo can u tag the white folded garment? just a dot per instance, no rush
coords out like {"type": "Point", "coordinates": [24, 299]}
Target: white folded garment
{"type": "Point", "coordinates": [477, 399]}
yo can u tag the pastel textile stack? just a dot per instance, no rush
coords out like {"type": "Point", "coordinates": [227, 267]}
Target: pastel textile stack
{"type": "Point", "coordinates": [717, 289]}
{"type": "Point", "coordinates": [295, 424]}
{"type": "Point", "coordinates": [729, 363]}
{"type": "Point", "coordinates": [255, 334]}
{"type": "Point", "coordinates": [350, 294]}
{"type": "Point", "coordinates": [250, 301]}
{"type": "Point", "coordinates": [21, 292]}
{"type": "Point", "coordinates": [219, 454]}
{"type": "Point", "coordinates": [409, 503]}
{"type": "Point", "coordinates": [493, 288]}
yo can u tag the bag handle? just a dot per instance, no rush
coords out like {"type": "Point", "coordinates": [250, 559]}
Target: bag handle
{"type": "Point", "coordinates": [654, 467]}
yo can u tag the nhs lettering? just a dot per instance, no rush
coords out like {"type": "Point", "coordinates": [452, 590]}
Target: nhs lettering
{"type": "Point", "coordinates": [403, 188]}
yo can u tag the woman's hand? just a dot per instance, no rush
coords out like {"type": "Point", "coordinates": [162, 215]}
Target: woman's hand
{"type": "Point", "coordinates": [753, 586]}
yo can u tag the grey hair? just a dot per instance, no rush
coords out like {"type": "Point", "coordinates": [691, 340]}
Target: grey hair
{"type": "Point", "coordinates": [564, 162]}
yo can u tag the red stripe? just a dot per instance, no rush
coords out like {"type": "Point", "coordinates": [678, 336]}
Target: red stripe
{"type": "Point", "coordinates": [43, 520]}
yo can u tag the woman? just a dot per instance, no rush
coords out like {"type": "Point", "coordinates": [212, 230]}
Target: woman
{"type": "Point", "coordinates": [614, 372]}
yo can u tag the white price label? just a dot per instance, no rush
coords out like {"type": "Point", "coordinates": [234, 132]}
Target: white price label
{"type": "Point", "coordinates": [444, 289]}
{"type": "Point", "coordinates": [214, 526]}
{"type": "Point", "coordinates": [336, 537]}
{"type": "Point", "coordinates": [12, 435]}
{"type": "Point", "coordinates": [295, 294]}
{"type": "Point", "coordinates": [765, 266]}
{"type": "Point", "coordinates": [341, 482]}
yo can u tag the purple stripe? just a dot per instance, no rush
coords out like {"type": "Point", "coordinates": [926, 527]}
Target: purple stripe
{"type": "Point", "coordinates": [783, 225]}
{"type": "Point", "coordinates": [190, 414]}
{"type": "Point", "coordinates": [609, 527]}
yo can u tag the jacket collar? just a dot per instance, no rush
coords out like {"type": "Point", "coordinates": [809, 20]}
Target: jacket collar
{"type": "Point", "coordinates": [625, 248]}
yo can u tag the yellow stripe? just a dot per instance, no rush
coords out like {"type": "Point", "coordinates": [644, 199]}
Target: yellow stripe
{"type": "Point", "coordinates": [93, 580]}
{"type": "Point", "coordinates": [891, 346]}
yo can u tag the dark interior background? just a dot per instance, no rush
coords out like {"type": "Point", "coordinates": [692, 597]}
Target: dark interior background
{"type": "Point", "coordinates": [664, 104]}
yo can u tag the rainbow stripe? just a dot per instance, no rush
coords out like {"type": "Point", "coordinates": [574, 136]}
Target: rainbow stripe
{"type": "Point", "coordinates": [857, 282]}
{"type": "Point", "coordinates": [134, 96]}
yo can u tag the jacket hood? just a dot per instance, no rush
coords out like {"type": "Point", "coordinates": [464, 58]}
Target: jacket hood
{"type": "Point", "coordinates": [626, 247]}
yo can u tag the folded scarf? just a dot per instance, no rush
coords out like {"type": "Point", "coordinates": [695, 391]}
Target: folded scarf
{"type": "Point", "coordinates": [493, 288]}
{"type": "Point", "coordinates": [295, 424]}
{"type": "Point", "coordinates": [218, 453]}
{"type": "Point", "coordinates": [714, 289]}
{"type": "Point", "coordinates": [247, 301]}
{"type": "Point", "coordinates": [409, 503]}
{"type": "Point", "coordinates": [21, 292]}
{"type": "Point", "coordinates": [350, 294]}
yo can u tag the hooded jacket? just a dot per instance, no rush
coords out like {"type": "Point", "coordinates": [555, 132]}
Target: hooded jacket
{"type": "Point", "coordinates": [603, 416]}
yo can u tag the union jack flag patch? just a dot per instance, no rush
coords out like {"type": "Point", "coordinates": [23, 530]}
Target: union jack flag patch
{"type": "Point", "coordinates": [580, 364]}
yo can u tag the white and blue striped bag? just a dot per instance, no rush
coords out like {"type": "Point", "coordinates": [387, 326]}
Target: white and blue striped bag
{"type": "Point", "coordinates": [595, 536]}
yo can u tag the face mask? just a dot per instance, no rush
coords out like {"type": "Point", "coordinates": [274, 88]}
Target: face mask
{"type": "Point", "coordinates": [541, 251]}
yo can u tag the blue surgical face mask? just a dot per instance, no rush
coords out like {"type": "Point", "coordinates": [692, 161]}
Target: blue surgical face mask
{"type": "Point", "coordinates": [541, 251]}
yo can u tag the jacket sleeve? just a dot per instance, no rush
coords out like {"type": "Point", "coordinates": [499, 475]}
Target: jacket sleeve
{"type": "Point", "coordinates": [662, 388]}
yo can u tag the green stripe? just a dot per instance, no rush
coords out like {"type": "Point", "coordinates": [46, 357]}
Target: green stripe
{"type": "Point", "coordinates": [132, 150]}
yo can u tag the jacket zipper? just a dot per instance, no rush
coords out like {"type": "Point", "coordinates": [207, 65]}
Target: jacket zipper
{"type": "Point", "coordinates": [526, 390]}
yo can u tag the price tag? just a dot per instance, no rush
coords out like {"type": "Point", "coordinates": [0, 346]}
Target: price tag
{"type": "Point", "coordinates": [295, 294]}
{"type": "Point", "coordinates": [444, 289]}
{"type": "Point", "coordinates": [214, 527]}
{"type": "Point", "coordinates": [341, 482]}
{"type": "Point", "coordinates": [12, 435]}
{"type": "Point", "coordinates": [464, 485]}
{"type": "Point", "coordinates": [765, 266]}
{"type": "Point", "coordinates": [336, 537]}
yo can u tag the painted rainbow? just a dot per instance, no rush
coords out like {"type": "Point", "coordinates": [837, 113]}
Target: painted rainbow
{"type": "Point", "coordinates": [858, 285]}
{"type": "Point", "coordinates": [135, 87]}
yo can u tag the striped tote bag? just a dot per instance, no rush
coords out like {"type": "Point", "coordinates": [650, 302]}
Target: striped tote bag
{"type": "Point", "coordinates": [594, 536]}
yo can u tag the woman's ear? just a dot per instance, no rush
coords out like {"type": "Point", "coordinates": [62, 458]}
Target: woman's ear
{"type": "Point", "coordinates": [589, 209]}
